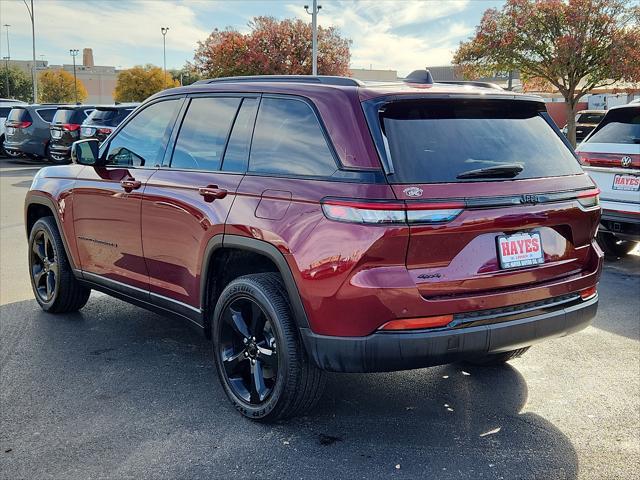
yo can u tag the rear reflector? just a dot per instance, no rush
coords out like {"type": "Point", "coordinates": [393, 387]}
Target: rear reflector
{"type": "Point", "coordinates": [418, 323]}
{"type": "Point", "coordinates": [390, 212]}
{"type": "Point", "coordinates": [589, 293]}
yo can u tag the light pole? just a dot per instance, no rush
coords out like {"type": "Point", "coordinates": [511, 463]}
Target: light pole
{"type": "Point", "coordinates": [7, 58]}
{"type": "Point", "coordinates": [74, 53]}
{"type": "Point", "coordinates": [164, 31]}
{"type": "Point", "coordinates": [314, 34]}
{"type": "Point", "coordinates": [33, 44]}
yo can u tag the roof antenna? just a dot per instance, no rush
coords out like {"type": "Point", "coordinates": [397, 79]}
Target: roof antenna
{"type": "Point", "coordinates": [419, 76]}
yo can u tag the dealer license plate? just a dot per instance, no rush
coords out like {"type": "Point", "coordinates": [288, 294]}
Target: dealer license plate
{"type": "Point", "coordinates": [520, 250]}
{"type": "Point", "coordinates": [626, 182]}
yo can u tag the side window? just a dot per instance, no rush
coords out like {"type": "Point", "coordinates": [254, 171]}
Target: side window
{"type": "Point", "coordinates": [204, 132]}
{"type": "Point", "coordinates": [288, 140]}
{"type": "Point", "coordinates": [143, 140]}
{"type": "Point", "coordinates": [236, 155]}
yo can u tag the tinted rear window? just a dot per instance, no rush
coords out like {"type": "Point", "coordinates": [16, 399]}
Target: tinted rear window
{"type": "Point", "coordinates": [46, 114]}
{"type": "Point", "coordinates": [435, 141]}
{"type": "Point", "coordinates": [110, 117]}
{"type": "Point", "coordinates": [619, 126]}
{"type": "Point", "coordinates": [64, 115]}
{"type": "Point", "coordinates": [594, 118]}
{"type": "Point", "coordinates": [4, 111]}
{"type": "Point", "coordinates": [19, 115]}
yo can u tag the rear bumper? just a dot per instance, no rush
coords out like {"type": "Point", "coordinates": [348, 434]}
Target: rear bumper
{"type": "Point", "coordinates": [26, 146]}
{"type": "Point", "coordinates": [381, 352]}
{"type": "Point", "coordinates": [622, 220]}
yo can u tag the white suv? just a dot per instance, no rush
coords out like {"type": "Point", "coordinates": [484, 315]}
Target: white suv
{"type": "Point", "coordinates": [611, 157]}
{"type": "Point", "coordinates": [5, 107]}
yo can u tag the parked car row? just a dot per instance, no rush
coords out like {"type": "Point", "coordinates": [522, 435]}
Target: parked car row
{"type": "Point", "coordinates": [586, 121]}
{"type": "Point", "coordinates": [46, 131]}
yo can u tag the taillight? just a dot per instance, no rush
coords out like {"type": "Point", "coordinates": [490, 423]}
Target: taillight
{"type": "Point", "coordinates": [594, 159]}
{"type": "Point", "coordinates": [104, 131]}
{"type": "Point", "coordinates": [590, 198]}
{"type": "Point", "coordinates": [390, 212]}
{"type": "Point", "coordinates": [22, 125]}
{"type": "Point", "coordinates": [418, 323]}
{"type": "Point", "coordinates": [589, 293]}
{"type": "Point", "coordinates": [70, 127]}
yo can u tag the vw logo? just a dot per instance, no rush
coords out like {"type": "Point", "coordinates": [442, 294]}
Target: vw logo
{"type": "Point", "coordinates": [413, 192]}
{"type": "Point", "coordinates": [626, 161]}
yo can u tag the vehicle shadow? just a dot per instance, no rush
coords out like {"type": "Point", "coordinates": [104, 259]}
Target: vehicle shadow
{"type": "Point", "coordinates": [120, 392]}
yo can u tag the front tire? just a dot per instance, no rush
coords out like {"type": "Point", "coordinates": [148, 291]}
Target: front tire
{"type": "Point", "coordinates": [613, 246]}
{"type": "Point", "coordinates": [495, 359]}
{"type": "Point", "coordinates": [54, 285]}
{"type": "Point", "coordinates": [258, 354]}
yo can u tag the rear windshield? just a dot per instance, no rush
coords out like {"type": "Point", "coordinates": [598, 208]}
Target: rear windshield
{"type": "Point", "coordinates": [110, 117]}
{"type": "Point", "coordinates": [436, 141]}
{"type": "Point", "coordinates": [18, 115]}
{"type": "Point", "coordinates": [593, 118]}
{"type": "Point", "coordinates": [64, 115]}
{"type": "Point", "coordinates": [619, 126]}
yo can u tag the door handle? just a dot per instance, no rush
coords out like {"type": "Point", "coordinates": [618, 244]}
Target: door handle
{"type": "Point", "coordinates": [212, 192]}
{"type": "Point", "coordinates": [130, 184]}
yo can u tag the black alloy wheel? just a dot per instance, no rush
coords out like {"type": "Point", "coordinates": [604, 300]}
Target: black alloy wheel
{"type": "Point", "coordinates": [44, 266]}
{"type": "Point", "coordinates": [248, 350]}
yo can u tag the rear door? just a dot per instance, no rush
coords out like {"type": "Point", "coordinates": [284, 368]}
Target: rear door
{"type": "Point", "coordinates": [187, 201]}
{"type": "Point", "coordinates": [611, 156]}
{"type": "Point", "coordinates": [65, 126]}
{"type": "Point", "coordinates": [492, 195]}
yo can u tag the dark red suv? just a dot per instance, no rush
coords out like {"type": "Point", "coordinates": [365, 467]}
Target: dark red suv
{"type": "Point", "coordinates": [319, 223]}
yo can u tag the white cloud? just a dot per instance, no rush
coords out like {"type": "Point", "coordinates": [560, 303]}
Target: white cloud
{"type": "Point", "coordinates": [378, 30]}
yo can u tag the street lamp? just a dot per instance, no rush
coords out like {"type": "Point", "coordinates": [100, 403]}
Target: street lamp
{"type": "Point", "coordinates": [74, 53]}
{"type": "Point", "coordinates": [164, 31]}
{"type": "Point", "coordinates": [33, 44]}
{"type": "Point", "coordinates": [7, 58]}
{"type": "Point", "coordinates": [314, 32]}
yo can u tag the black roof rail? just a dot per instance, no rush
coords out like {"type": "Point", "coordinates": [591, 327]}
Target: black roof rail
{"type": "Point", "coordinates": [321, 79]}
{"type": "Point", "coordinates": [419, 76]}
{"type": "Point", "coordinates": [473, 83]}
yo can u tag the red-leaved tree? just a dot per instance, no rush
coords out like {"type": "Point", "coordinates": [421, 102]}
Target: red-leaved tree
{"type": "Point", "coordinates": [574, 45]}
{"type": "Point", "coordinates": [272, 47]}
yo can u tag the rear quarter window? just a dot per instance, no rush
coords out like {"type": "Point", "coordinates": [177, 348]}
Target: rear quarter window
{"type": "Point", "coordinates": [46, 114]}
{"type": "Point", "coordinates": [434, 141]}
{"type": "Point", "coordinates": [619, 126]}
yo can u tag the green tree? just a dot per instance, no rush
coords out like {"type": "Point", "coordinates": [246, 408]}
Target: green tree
{"type": "Point", "coordinates": [272, 47]}
{"type": "Point", "coordinates": [574, 45]}
{"type": "Point", "coordinates": [140, 82]}
{"type": "Point", "coordinates": [56, 86]}
{"type": "Point", "coordinates": [186, 75]}
{"type": "Point", "coordinates": [20, 86]}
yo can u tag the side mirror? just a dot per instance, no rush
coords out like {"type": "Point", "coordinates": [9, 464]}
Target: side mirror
{"type": "Point", "coordinates": [85, 152]}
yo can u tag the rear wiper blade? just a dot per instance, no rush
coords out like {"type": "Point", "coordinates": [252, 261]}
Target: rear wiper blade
{"type": "Point", "coordinates": [509, 170]}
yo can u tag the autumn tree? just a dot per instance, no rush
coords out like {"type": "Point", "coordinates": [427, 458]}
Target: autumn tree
{"type": "Point", "coordinates": [272, 47]}
{"type": "Point", "coordinates": [140, 82]}
{"type": "Point", "coordinates": [574, 45]}
{"type": "Point", "coordinates": [20, 86]}
{"type": "Point", "coordinates": [56, 86]}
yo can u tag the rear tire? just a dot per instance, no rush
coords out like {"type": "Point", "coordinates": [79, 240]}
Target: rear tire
{"type": "Point", "coordinates": [258, 354]}
{"type": "Point", "coordinates": [495, 359]}
{"type": "Point", "coordinates": [613, 246]}
{"type": "Point", "coordinates": [54, 285]}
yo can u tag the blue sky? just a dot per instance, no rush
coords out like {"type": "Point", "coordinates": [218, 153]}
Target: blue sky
{"type": "Point", "coordinates": [401, 34]}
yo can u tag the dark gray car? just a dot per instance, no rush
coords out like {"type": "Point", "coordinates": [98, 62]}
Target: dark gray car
{"type": "Point", "coordinates": [27, 130]}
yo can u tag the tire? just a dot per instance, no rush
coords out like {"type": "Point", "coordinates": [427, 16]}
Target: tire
{"type": "Point", "coordinates": [252, 318]}
{"type": "Point", "coordinates": [54, 285]}
{"type": "Point", "coordinates": [496, 359]}
{"type": "Point", "coordinates": [613, 246]}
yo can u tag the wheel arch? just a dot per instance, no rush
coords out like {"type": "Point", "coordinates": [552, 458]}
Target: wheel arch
{"type": "Point", "coordinates": [255, 256]}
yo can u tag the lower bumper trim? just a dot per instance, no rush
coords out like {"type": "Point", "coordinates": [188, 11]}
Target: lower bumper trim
{"type": "Point", "coordinates": [385, 351]}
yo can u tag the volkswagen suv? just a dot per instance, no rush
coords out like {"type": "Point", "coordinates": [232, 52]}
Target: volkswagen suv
{"type": "Point", "coordinates": [312, 224]}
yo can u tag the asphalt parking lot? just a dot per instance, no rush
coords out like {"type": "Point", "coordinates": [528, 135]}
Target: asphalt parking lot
{"type": "Point", "coordinates": [118, 392]}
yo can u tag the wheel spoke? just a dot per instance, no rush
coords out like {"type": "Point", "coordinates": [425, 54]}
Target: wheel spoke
{"type": "Point", "coordinates": [268, 356]}
{"type": "Point", "coordinates": [237, 322]}
{"type": "Point", "coordinates": [258, 388]}
{"type": "Point", "coordinates": [37, 275]}
{"type": "Point", "coordinates": [51, 284]}
{"type": "Point", "coordinates": [53, 266]}
{"type": "Point", "coordinates": [232, 360]}
{"type": "Point", "coordinates": [38, 249]}
{"type": "Point", "coordinates": [257, 319]}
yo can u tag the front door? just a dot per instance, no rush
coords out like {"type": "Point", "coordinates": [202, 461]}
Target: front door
{"type": "Point", "coordinates": [108, 198]}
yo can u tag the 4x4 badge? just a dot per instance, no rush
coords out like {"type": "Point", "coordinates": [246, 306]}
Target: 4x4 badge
{"type": "Point", "coordinates": [413, 192]}
{"type": "Point", "coordinates": [626, 161]}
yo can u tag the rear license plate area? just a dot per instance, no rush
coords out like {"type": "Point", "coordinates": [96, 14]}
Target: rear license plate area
{"type": "Point", "coordinates": [520, 250]}
{"type": "Point", "coordinates": [626, 182]}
